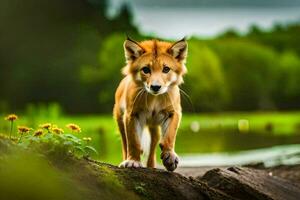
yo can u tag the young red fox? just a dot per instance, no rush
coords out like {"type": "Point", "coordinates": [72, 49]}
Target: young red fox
{"type": "Point", "coordinates": [149, 98]}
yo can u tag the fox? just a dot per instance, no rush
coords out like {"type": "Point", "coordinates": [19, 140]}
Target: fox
{"type": "Point", "coordinates": [147, 101]}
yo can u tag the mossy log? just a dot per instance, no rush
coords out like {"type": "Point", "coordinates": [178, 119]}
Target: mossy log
{"type": "Point", "coordinates": [227, 183]}
{"type": "Point", "coordinates": [87, 179]}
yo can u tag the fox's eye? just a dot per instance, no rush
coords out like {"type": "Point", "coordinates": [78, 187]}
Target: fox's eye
{"type": "Point", "coordinates": [146, 70]}
{"type": "Point", "coordinates": [166, 69]}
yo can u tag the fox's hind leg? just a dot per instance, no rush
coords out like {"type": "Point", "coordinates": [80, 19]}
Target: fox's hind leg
{"type": "Point", "coordinates": [154, 132]}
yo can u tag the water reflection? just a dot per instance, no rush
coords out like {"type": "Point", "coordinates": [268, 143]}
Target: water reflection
{"type": "Point", "coordinates": [229, 140]}
{"type": "Point", "coordinates": [272, 156]}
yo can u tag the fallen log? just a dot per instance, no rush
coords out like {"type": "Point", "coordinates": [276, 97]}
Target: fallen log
{"type": "Point", "coordinates": [246, 183]}
{"type": "Point", "coordinates": [231, 183]}
{"type": "Point", "coordinates": [34, 174]}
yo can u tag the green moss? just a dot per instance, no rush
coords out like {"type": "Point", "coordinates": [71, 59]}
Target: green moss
{"type": "Point", "coordinates": [109, 182]}
{"type": "Point", "coordinates": [141, 191]}
{"type": "Point", "coordinates": [139, 188]}
{"type": "Point", "coordinates": [109, 177]}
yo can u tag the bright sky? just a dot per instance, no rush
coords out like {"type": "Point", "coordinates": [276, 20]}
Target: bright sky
{"type": "Point", "coordinates": [177, 18]}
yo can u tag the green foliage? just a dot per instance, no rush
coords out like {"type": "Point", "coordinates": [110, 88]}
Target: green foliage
{"type": "Point", "coordinates": [58, 145]}
{"type": "Point", "coordinates": [286, 90]}
{"type": "Point", "coordinates": [108, 74]}
{"type": "Point", "coordinates": [111, 58]}
{"type": "Point", "coordinates": [249, 70]}
{"type": "Point", "coordinates": [205, 82]}
{"type": "Point", "coordinates": [51, 111]}
{"type": "Point", "coordinates": [281, 38]}
{"type": "Point", "coordinates": [44, 63]}
{"type": "Point", "coordinates": [50, 139]}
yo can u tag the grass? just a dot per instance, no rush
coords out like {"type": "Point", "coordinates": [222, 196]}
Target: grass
{"type": "Point", "coordinates": [217, 132]}
{"type": "Point", "coordinates": [282, 122]}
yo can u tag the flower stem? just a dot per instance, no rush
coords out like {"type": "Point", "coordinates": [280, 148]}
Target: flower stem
{"type": "Point", "coordinates": [20, 138]}
{"type": "Point", "coordinates": [11, 128]}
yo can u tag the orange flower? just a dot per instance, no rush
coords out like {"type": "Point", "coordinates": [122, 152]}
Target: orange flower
{"type": "Point", "coordinates": [23, 129]}
{"type": "Point", "coordinates": [74, 127]}
{"type": "Point", "coordinates": [11, 117]}
{"type": "Point", "coordinates": [46, 126]}
{"type": "Point", "coordinates": [57, 130]}
{"type": "Point", "coordinates": [38, 132]}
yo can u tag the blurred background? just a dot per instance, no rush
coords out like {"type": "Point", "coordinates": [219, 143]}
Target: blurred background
{"type": "Point", "coordinates": [60, 62]}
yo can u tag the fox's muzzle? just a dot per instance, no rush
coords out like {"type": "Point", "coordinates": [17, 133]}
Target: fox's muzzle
{"type": "Point", "coordinates": [155, 88]}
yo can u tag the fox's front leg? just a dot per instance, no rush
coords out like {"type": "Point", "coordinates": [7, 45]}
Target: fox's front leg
{"type": "Point", "coordinates": [167, 144]}
{"type": "Point", "coordinates": [133, 129]}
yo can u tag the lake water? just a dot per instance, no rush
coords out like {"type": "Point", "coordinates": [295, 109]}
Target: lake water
{"type": "Point", "coordinates": [206, 22]}
{"type": "Point", "coordinates": [223, 147]}
{"type": "Point", "coordinates": [271, 156]}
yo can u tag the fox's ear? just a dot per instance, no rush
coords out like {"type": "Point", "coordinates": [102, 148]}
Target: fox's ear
{"type": "Point", "coordinates": [132, 50]}
{"type": "Point", "coordinates": [179, 50]}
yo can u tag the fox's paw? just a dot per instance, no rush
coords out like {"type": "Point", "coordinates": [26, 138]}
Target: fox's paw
{"type": "Point", "coordinates": [170, 160]}
{"type": "Point", "coordinates": [130, 163]}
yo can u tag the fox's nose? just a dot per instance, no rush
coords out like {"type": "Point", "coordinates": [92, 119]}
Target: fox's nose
{"type": "Point", "coordinates": [155, 88]}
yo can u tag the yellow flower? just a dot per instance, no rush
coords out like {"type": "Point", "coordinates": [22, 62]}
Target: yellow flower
{"type": "Point", "coordinates": [87, 139]}
{"type": "Point", "coordinates": [23, 129]}
{"type": "Point", "coordinates": [46, 126]}
{"type": "Point", "coordinates": [38, 132]}
{"type": "Point", "coordinates": [74, 127]}
{"type": "Point", "coordinates": [57, 130]}
{"type": "Point", "coordinates": [11, 117]}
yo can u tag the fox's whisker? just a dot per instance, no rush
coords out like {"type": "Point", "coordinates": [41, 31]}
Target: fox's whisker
{"type": "Point", "coordinates": [136, 97]}
{"type": "Point", "coordinates": [187, 97]}
{"type": "Point", "coordinates": [140, 92]}
{"type": "Point", "coordinates": [147, 100]}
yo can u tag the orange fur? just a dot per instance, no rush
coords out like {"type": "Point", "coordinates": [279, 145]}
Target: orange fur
{"type": "Point", "coordinates": [149, 96]}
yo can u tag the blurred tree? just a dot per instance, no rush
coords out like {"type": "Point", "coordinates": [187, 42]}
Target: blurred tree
{"type": "Point", "coordinates": [278, 27]}
{"type": "Point", "coordinates": [286, 90]}
{"type": "Point", "coordinates": [255, 30]}
{"type": "Point", "coordinates": [43, 46]}
{"type": "Point", "coordinates": [230, 33]}
{"type": "Point", "coordinates": [107, 76]}
{"type": "Point", "coordinates": [205, 80]}
{"type": "Point", "coordinates": [124, 18]}
{"type": "Point", "coordinates": [249, 70]}
{"type": "Point", "coordinates": [280, 38]}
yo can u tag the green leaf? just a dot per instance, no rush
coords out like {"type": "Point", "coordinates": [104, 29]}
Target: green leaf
{"type": "Point", "coordinates": [79, 148]}
{"type": "Point", "coordinates": [71, 136]}
{"type": "Point", "coordinates": [92, 149]}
